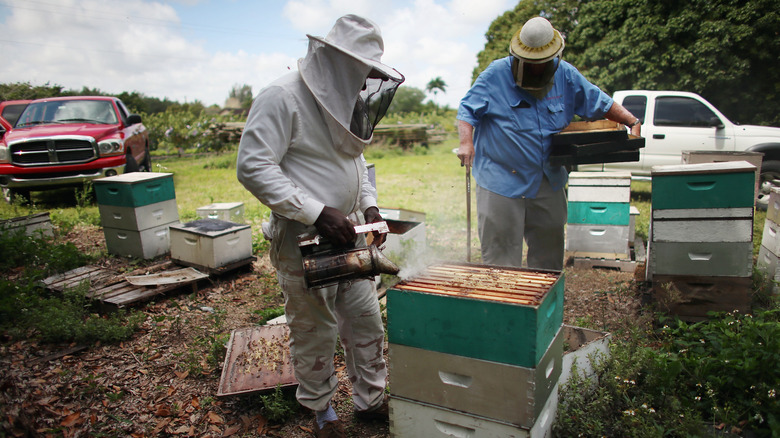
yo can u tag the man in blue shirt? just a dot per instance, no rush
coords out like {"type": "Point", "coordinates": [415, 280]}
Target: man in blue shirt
{"type": "Point", "coordinates": [505, 123]}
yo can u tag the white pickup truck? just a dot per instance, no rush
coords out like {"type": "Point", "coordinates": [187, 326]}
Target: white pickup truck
{"type": "Point", "coordinates": [677, 121]}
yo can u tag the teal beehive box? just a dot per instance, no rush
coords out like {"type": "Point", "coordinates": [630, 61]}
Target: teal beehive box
{"type": "Point", "coordinates": [499, 314]}
{"type": "Point", "coordinates": [707, 185]}
{"type": "Point", "coordinates": [599, 213]}
{"type": "Point", "coordinates": [134, 189]}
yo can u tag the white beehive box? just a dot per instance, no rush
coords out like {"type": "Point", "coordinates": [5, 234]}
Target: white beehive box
{"type": "Point", "coordinates": [224, 211]}
{"type": "Point", "coordinates": [412, 419]}
{"type": "Point", "coordinates": [146, 244]}
{"type": "Point", "coordinates": [599, 187]}
{"type": "Point", "coordinates": [598, 241]}
{"type": "Point", "coordinates": [210, 243]}
{"type": "Point", "coordinates": [138, 218]}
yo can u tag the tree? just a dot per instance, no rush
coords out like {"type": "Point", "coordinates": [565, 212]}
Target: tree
{"type": "Point", "coordinates": [407, 100]}
{"type": "Point", "coordinates": [724, 50]}
{"type": "Point", "coordinates": [243, 93]}
{"type": "Point", "coordinates": [436, 84]}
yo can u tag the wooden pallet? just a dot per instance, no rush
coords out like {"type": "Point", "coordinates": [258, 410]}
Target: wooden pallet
{"type": "Point", "coordinates": [221, 269]}
{"type": "Point", "coordinates": [111, 289]}
{"type": "Point", "coordinates": [638, 257]}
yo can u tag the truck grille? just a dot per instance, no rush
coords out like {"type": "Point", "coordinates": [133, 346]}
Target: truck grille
{"type": "Point", "coordinates": [49, 151]}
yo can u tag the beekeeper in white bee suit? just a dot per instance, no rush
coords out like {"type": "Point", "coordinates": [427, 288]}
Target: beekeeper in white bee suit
{"type": "Point", "coordinates": [301, 155]}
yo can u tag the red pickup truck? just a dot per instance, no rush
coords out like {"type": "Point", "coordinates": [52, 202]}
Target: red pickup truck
{"type": "Point", "coordinates": [65, 141]}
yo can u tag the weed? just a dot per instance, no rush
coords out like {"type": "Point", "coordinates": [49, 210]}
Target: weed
{"type": "Point", "coordinates": [268, 314]}
{"type": "Point", "coordinates": [279, 406]}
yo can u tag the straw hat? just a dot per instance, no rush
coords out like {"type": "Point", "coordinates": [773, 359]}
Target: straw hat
{"type": "Point", "coordinates": [361, 39]}
{"type": "Point", "coordinates": [536, 41]}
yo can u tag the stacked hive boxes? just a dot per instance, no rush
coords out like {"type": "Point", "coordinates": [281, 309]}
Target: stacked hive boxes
{"type": "Point", "coordinates": [701, 236]}
{"type": "Point", "coordinates": [475, 351]}
{"type": "Point", "coordinates": [136, 210]}
{"type": "Point", "coordinates": [769, 255]}
{"type": "Point", "coordinates": [599, 215]}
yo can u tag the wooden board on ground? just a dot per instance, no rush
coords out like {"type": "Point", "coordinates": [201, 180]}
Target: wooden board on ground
{"type": "Point", "coordinates": [111, 289]}
{"type": "Point", "coordinates": [257, 359]}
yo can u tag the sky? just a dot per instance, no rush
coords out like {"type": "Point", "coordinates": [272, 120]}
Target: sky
{"type": "Point", "coordinates": [187, 50]}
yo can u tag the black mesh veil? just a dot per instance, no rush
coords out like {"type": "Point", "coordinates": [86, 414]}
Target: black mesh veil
{"type": "Point", "coordinates": [372, 104]}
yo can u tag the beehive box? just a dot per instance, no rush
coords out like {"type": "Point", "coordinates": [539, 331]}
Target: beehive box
{"type": "Point", "coordinates": [210, 243]}
{"type": "Point", "coordinates": [599, 213]}
{"type": "Point", "coordinates": [706, 185]}
{"type": "Point", "coordinates": [413, 419]}
{"type": "Point", "coordinates": [224, 211]}
{"type": "Point", "coordinates": [754, 158]}
{"type": "Point", "coordinates": [607, 241]}
{"type": "Point", "coordinates": [600, 187]}
{"type": "Point", "coordinates": [505, 315]}
{"type": "Point", "coordinates": [139, 218]}
{"type": "Point", "coordinates": [507, 393]}
{"type": "Point", "coordinates": [600, 141]}
{"type": "Point", "coordinates": [692, 297]}
{"type": "Point", "coordinates": [134, 189]}
{"type": "Point", "coordinates": [145, 244]}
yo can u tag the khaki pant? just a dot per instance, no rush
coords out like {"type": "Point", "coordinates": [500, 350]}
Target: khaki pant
{"type": "Point", "coordinates": [504, 223]}
{"type": "Point", "coordinates": [348, 311]}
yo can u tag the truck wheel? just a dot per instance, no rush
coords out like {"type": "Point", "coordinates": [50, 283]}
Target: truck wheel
{"type": "Point", "coordinates": [770, 177]}
{"type": "Point", "coordinates": [130, 164]}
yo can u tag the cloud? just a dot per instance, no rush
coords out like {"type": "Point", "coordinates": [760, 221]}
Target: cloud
{"type": "Point", "coordinates": [143, 46]}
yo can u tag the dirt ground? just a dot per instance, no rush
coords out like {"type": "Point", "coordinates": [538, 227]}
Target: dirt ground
{"type": "Point", "coordinates": [143, 387]}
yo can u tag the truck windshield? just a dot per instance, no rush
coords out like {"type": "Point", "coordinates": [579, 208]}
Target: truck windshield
{"type": "Point", "coordinates": [68, 111]}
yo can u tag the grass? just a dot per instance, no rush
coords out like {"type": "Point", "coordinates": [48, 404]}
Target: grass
{"type": "Point", "coordinates": [642, 377]}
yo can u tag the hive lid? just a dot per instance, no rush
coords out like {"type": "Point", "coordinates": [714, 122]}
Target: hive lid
{"type": "Point", "coordinates": [209, 227]}
{"type": "Point", "coordinates": [484, 282]}
{"type": "Point", "coordinates": [257, 359]}
{"type": "Point", "coordinates": [133, 177]}
{"type": "Point", "coordinates": [718, 167]}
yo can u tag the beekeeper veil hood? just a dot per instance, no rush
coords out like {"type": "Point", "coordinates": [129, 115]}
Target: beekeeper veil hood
{"type": "Point", "coordinates": [537, 49]}
{"type": "Point", "coordinates": [351, 85]}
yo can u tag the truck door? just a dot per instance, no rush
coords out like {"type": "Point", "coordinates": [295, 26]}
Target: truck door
{"type": "Point", "coordinates": [682, 123]}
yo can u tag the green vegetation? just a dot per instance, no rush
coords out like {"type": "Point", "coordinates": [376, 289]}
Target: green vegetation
{"type": "Point", "coordinates": [682, 379]}
{"type": "Point", "coordinates": [725, 51]}
{"type": "Point", "coordinates": [27, 310]}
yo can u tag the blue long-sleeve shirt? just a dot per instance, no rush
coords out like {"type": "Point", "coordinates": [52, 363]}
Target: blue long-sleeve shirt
{"type": "Point", "coordinates": [513, 129]}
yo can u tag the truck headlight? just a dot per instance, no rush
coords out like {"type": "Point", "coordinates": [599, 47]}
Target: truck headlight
{"type": "Point", "coordinates": [4, 158]}
{"type": "Point", "coordinates": [111, 147]}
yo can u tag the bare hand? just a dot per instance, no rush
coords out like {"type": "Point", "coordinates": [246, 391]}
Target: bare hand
{"type": "Point", "coordinates": [372, 216]}
{"type": "Point", "coordinates": [334, 226]}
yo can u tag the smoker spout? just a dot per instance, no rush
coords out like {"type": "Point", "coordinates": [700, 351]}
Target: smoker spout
{"type": "Point", "coordinates": [382, 265]}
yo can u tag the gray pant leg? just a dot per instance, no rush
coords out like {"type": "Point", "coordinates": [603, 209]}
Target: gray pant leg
{"type": "Point", "coordinates": [501, 222]}
{"type": "Point", "coordinates": [545, 219]}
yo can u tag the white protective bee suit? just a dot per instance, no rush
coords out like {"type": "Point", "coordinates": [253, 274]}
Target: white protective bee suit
{"type": "Point", "coordinates": [297, 155]}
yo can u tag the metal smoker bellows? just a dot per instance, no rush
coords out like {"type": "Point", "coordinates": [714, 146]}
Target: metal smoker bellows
{"type": "Point", "coordinates": [324, 265]}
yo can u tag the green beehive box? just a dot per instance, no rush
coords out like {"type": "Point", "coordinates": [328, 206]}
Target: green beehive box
{"type": "Point", "coordinates": [134, 189]}
{"type": "Point", "coordinates": [599, 213]}
{"type": "Point", "coordinates": [505, 315]}
{"type": "Point", "coordinates": [706, 185]}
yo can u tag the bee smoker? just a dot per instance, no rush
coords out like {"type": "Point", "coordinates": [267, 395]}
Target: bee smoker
{"type": "Point", "coordinates": [324, 264]}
